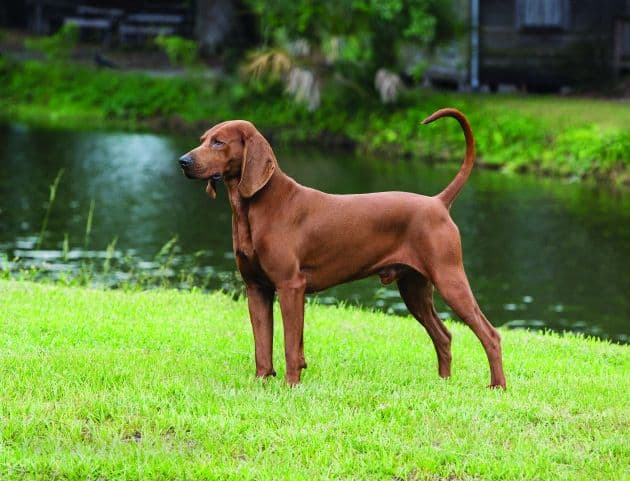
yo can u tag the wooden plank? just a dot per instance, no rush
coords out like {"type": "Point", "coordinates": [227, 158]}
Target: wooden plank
{"type": "Point", "coordinates": [147, 30]}
{"type": "Point", "coordinates": [154, 18]}
{"type": "Point", "coordinates": [95, 23]}
{"type": "Point", "coordinates": [97, 11]}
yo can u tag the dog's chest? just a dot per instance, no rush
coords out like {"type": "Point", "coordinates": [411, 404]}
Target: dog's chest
{"type": "Point", "coordinates": [242, 239]}
{"type": "Point", "coordinates": [246, 223]}
{"type": "Point", "coordinates": [246, 256]}
{"type": "Point", "coordinates": [241, 233]}
{"type": "Point", "coordinates": [248, 264]}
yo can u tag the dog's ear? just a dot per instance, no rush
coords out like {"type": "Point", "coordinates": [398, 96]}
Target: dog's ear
{"type": "Point", "coordinates": [258, 166]}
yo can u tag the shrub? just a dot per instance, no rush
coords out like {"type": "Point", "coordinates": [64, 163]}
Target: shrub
{"type": "Point", "coordinates": [180, 51]}
{"type": "Point", "coordinates": [57, 47]}
{"type": "Point", "coordinates": [523, 142]}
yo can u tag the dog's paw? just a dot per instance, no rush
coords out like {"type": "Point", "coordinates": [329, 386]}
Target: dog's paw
{"type": "Point", "coordinates": [292, 379]}
{"type": "Point", "coordinates": [497, 386]}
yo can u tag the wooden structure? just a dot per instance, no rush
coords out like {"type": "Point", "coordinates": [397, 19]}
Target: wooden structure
{"type": "Point", "coordinates": [621, 59]}
{"type": "Point", "coordinates": [545, 44]}
{"type": "Point", "coordinates": [531, 44]}
{"type": "Point", "coordinates": [536, 45]}
{"type": "Point", "coordinates": [120, 22]}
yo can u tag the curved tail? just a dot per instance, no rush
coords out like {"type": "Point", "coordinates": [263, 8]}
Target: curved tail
{"type": "Point", "coordinates": [447, 196]}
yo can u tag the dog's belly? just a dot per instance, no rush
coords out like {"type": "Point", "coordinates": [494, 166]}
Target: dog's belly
{"type": "Point", "coordinates": [370, 238]}
{"type": "Point", "coordinates": [321, 280]}
{"type": "Point", "coordinates": [335, 270]}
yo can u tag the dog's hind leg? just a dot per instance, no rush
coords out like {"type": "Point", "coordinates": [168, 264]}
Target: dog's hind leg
{"type": "Point", "coordinates": [455, 289]}
{"type": "Point", "coordinates": [417, 292]}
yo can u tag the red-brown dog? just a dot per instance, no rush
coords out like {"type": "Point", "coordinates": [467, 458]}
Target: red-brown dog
{"type": "Point", "coordinates": [291, 239]}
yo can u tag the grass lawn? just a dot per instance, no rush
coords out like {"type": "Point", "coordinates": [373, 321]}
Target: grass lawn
{"type": "Point", "coordinates": [564, 112]}
{"type": "Point", "coordinates": [159, 385]}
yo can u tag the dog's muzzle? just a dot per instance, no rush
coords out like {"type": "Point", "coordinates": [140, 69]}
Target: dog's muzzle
{"type": "Point", "coordinates": [185, 161]}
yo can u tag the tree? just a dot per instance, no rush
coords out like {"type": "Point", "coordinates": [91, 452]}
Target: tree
{"type": "Point", "coordinates": [353, 38]}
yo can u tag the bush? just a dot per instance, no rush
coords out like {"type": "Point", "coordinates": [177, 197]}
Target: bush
{"type": "Point", "coordinates": [589, 151]}
{"type": "Point", "coordinates": [57, 47]}
{"type": "Point", "coordinates": [506, 138]}
{"type": "Point", "coordinates": [180, 51]}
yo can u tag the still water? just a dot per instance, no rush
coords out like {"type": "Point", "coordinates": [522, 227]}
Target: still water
{"type": "Point", "coordinates": [539, 253]}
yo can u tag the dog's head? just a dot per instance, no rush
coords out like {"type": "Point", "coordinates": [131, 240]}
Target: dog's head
{"type": "Point", "coordinates": [232, 149]}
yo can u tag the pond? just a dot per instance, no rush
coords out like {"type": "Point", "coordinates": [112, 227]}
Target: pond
{"type": "Point", "coordinates": [539, 253]}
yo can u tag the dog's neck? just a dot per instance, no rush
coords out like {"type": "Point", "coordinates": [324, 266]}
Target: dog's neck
{"type": "Point", "coordinates": [276, 188]}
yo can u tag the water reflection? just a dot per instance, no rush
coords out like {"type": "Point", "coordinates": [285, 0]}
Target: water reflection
{"type": "Point", "coordinates": [539, 253]}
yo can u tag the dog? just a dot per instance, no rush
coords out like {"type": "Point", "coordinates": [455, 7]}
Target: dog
{"type": "Point", "coordinates": [292, 240]}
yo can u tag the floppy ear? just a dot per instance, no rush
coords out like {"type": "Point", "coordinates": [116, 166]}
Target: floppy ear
{"type": "Point", "coordinates": [258, 165]}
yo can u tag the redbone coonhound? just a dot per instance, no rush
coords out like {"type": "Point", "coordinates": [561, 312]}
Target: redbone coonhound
{"type": "Point", "coordinates": [290, 240]}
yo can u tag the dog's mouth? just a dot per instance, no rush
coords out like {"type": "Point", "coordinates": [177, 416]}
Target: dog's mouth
{"type": "Point", "coordinates": [212, 181]}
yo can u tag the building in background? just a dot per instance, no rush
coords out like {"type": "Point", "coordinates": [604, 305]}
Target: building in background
{"type": "Point", "coordinates": [134, 22]}
{"type": "Point", "coordinates": [536, 45]}
{"type": "Point", "coordinates": [546, 44]}
{"type": "Point", "coordinates": [533, 45]}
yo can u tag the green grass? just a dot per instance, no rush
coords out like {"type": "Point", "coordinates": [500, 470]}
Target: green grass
{"type": "Point", "coordinates": [159, 385]}
{"type": "Point", "coordinates": [563, 112]}
{"type": "Point", "coordinates": [548, 135]}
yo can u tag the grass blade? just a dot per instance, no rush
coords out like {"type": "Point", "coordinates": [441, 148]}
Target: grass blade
{"type": "Point", "coordinates": [51, 200]}
{"type": "Point", "coordinates": [88, 226]}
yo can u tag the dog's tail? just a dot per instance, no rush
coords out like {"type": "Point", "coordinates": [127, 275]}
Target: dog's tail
{"type": "Point", "coordinates": [450, 192]}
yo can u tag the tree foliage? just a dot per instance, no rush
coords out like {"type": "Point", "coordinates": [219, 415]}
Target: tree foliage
{"type": "Point", "coordinates": [365, 32]}
{"type": "Point", "coordinates": [356, 42]}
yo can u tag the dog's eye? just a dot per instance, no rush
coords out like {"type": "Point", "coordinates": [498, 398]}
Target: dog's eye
{"type": "Point", "coordinates": [217, 143]}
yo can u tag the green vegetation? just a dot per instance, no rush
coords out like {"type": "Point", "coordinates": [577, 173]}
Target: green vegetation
{"type": "Point", "coordinates": [51, 201]}
{"type": "Point", "coordinates": [557, 136]}
{"type": "Point", "coordinates": [57, 47]}
{"type": "Point", "coordinates": [159, 385]}
{"type": "Point", "coordinates": [355, 38]}
{"type": "Point", "coordinates": [168, 269]}
{"type": "Point", "coordinates": [180, 51]}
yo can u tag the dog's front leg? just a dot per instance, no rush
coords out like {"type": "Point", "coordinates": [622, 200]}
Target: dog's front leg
{"type": "Point", "coordinates": [291, 298]}
{"type": "Point", "coordinates": [260, 303]}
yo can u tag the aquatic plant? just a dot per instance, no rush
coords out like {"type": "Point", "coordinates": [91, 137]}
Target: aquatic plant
{"type": "Point", "coordinates": [51, 200]}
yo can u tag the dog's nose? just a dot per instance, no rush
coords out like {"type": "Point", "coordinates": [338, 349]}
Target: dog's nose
{"type": "Point", "coordinates": [185, 161]}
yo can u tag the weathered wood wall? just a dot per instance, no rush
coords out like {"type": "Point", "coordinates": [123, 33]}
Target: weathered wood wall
{"type": "Point", "coordinates": [543, 44]}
